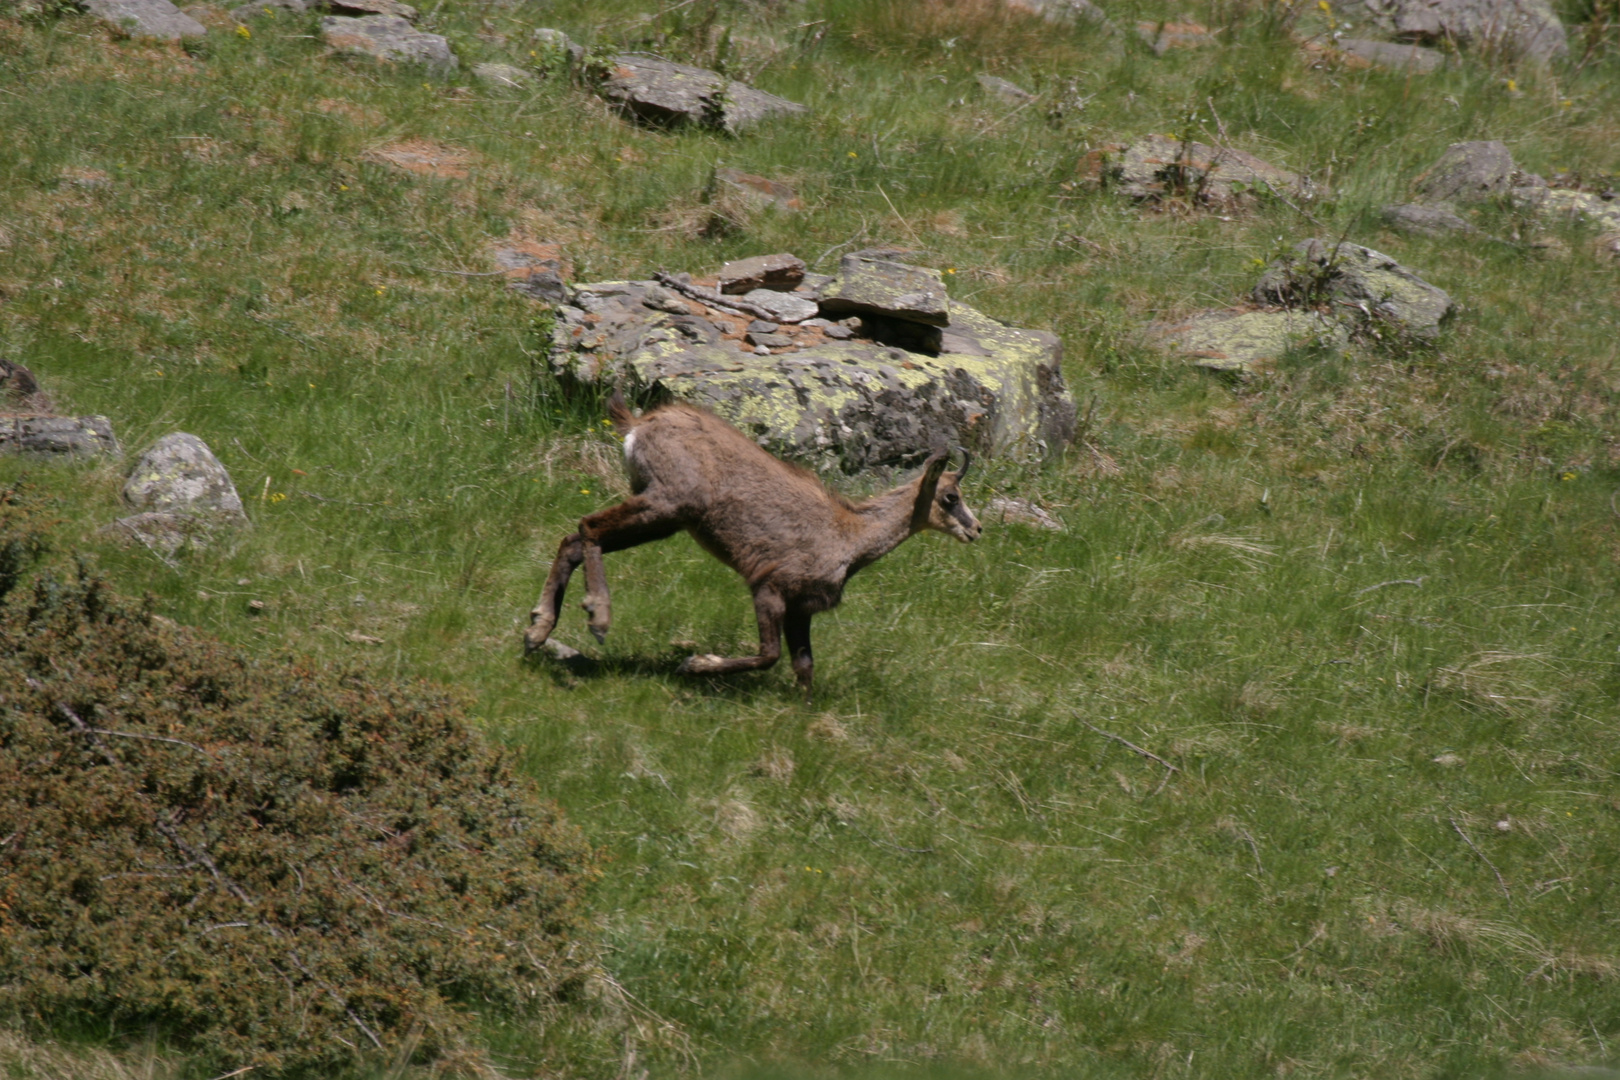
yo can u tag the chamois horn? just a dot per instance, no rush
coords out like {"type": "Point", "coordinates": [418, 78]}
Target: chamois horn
{"type": "Point", "coordinates": [967, 459]}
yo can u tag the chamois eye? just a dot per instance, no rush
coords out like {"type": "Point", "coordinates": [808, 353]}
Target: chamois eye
{"type": "Point", "coordinates": [950, 500]}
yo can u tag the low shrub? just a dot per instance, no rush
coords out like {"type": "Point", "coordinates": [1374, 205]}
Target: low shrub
{"type": "Point", "coordinates": [261, 862]}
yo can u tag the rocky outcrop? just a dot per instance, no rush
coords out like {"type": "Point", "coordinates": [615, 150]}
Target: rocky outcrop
{"type": "Point", "coordinates": [147, 18]}
{"type": "Point", "coordinates": [388, 37]}
{"type": "Point", "coordinates": [1157, 167]}
{"type": "Point", "coordinates": [1526, 28]}
{"type": "Point", "coordinates": [1357, 282]}
{"type": "Point", "coordinates": [839, 390]}
{"type": "Point", "coordinates": [663, 93]}
{"type": "Point", "coordinates": [1475, 172]}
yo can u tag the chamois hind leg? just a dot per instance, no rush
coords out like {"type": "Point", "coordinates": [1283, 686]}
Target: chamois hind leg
{"type": "Point", "coordinates": [769, 609]}
{"type": "Point", "coordinates": [632, 522]}
{"type": "Point", "coordinates": [543, 618]}
{"type": "Point", "coordinates": [797, 626]}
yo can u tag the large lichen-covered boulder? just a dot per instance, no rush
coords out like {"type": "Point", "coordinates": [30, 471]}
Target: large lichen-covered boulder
{"type": "Point", "coordinates": [838, 391]}
{"type": "Point", "coordinates": [1527, 28]}
{"type": "Point", "coordinates": [180, 473]}
{"type": "Point", "coordinates": [1468, 172]}
{"type": "Point", "coordinates": [1356, 281]}
{"type": "Point", "coordinates": [1157, 167]}
{"type": "Point", "coordinates": [666, 94]}
{"type": "Point", "coordinates": [1241, 341]}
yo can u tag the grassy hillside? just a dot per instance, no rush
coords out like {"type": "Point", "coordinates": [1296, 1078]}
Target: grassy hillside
{"type": "Point", "coordinates": [1294, 754]}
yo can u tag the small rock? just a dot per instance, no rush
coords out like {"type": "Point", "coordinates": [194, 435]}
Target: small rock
{"type": "Point", "coordinates": [754, 192]}
{"type": "Point", "coordinates": [1064, 11]}
{"type": "Point", "coordinates": [57, 437]}
{"type": "Point", "coordinates": [1426, 220]}
{"type": "Point", "coordinates": [259, 9]}
{"type": "Point", "coordinates": [784, 307]}
{"type": "Point", "coordinates": [1392, 55]}
{"type": "Point", "coordinates": [503, 75]}
{"type": "Point", "coordinates": [1007, 91]}
{"type": "Point", "coordinates": [147, 18]}
{"type": "Point", "coordinates": [666, 94]}
{"type": "Point", "coordinates": [1019, 512]}
{"type": "Point", "coordinates": [1243, 341]}
{"type": "Point", "coordinates": [163, 532]}
{"type": "Point", "coordinates": [537, 269]}
{"type": "Point", "coordinates": [388, 37]}
{"type": "Point", "coordinates": [768, 341]}
{"type": "Point", "coordinates": [837, 332]}
{"type": "Point", "coordinates": [1158, 167]}
{"type": "Point", "coordinates": [760, 326]}
{"type": "Point", "coordinates": [361, 8]}
{"type": "Point", "coordinates": [1447, 761]}
{"type": "Point", "coordinates": [1524, 27]}
{"type": "Point", "coordinates": [1164, 36]}
{"type": "Point", "coordinates": [180, 474]}
{"type": "Point", "coordinates": [554, 46]}
{"type": "Point", "coordinates": [1468, 172]}
{"type": "Point", "coordinates": [780, 272]}
{"type": "Point", "coordinates": [1564, 204]}
{"type": "Point", "coordinates": [880, 287]}
{"type": "Point", "coordinates": [1355, 279]}
{"type": "Point", "coordinates": [17, 383]}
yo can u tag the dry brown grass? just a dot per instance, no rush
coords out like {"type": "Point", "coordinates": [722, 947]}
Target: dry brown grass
{"type": "Point", "coordinates": [426, 158]}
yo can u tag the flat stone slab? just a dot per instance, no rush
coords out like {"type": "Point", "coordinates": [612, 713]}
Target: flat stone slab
{"type": "Point", "coordinates": [1425, 219]}
{"type": "Point", "coordinates": [57, 437]}
{"type": "Point", "coordinates": [666, 94]}
{"type": "Point", "coordinates": [388, 37]}
{"type": "Point", "coordinates": [147, 18]}
{"type": "Point", "coordinates": [1356, 280]}
{"type": "Point", "coordinates": [1527, 28]}
{"type": "Point", "coordinates": [1157, 167]}
{"type": "Point", "coordinates": [1007, 91]}
{"type": "Point", "coordinates": [1242, 341]}
{"type": "Point", "coordinates": [847, 400]}
{"type": "Point", "coordinates": [1393, 55]}
{"type": "Point", "coordinates": [868, 286]}
{"type": "Point", "coordinates": [180, 474]}
{"type": "Point", "coordinates": [782, 271]}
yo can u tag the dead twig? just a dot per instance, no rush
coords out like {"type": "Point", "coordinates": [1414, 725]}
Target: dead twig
{"type": "Point", "coordinates": [1499, 879]}
{"type": "Point", "coordinates": [1416, 582]}
{"type": "Point", "coordinates": [712, 298]}
{"type": "Point", "coordinates": [154, 738]}
{"type": "Point", "coordinates": [1150, 755]}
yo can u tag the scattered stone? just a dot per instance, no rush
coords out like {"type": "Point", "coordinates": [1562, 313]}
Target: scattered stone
{"type": "Point", "coordinates": [1354, 279]}
{"type": "Point", "coordinates": [666, 94]}
{"type": "Point", "coordinates": [422, 157]}
{"type": "Point", "coordinates": [164, 532]}
{"type": "Point", "coordinates": [503, 75]}
{"type": "Point", "coordinates": [1393, 55]}
{"type": "Point", "coordinates": [388, 37]}
{"type": "Point", "coordinates": [1448, 761]}
{"type": "Point", "coordinates": [1552, 204]}
{"type": "Point", "coordinates": [17, 384]}
{"type": "Point", "coordinates": [867, 286]}
{"type": "Point", "coordinates": [179, 474]}
{"type": "Point", "coordinates": [828, 394]}
{"type": "Point", "coordinates": [1468, 171]}
{"type": "Point", "coordinates": [1242, 341]}
{"type": "Point", "coordinates": [555, 49]}
{"type": "Point", "coordinates": [57, 437]}
{"type": "Point", "coordinates": [1007, 91]}
{"type": "Point", "coordinates": [1064, 11]}
{"type": "Point", "coordinates": [784, 307]}
{"type": "Point", "coordinates": [1158, 167]}
{"type": "Point", "coordinates": [1019, 512]}
{"type": "Point", "coordinates": [1526, 28]}
{"type": "Point", "coordinates": [1164, 36]}
{"type": "Point", "coordinates": [361, 8]}
{"type": "Point", "coordinates": [147, 18]}
{"type": "Point", "coordinates": [538, 269]}
{"type": "Point", "coordinates": [1426, 220]}
{"type": "Point", "coordinates": [760, 326]}
{"type": "Point", "coordinates": [783, 272]}
{"type": "Point", "coordinates": [259, 9]}
{"type": "Point", "coordinates": [753, 192]}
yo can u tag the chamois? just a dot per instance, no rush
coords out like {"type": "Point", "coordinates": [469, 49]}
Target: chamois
{"type": "Point", "coordinates": [794, 541]}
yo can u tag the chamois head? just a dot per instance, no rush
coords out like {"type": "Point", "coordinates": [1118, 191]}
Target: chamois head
{"type": "Point", "coordinates": [939, 499]}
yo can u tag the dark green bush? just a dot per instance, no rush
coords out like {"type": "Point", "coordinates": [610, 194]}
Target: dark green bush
{"type": "Point", "coordinates": [264, 863]}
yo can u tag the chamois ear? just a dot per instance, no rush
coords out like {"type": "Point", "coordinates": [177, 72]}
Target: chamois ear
{"type": "Point", "coordinates": [933, 469]}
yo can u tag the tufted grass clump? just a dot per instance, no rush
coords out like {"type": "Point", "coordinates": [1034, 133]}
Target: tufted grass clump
{"type": "Point", "coordinates": [261, 861]}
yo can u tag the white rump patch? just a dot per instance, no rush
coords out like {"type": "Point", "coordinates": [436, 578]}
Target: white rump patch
{"type": "Point", "coordinates": [629, 446]}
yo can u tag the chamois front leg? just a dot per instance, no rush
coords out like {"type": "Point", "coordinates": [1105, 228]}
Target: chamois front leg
{"type": "Point", "coordinates": [769, 609]}
{"type": "Point", "coordinates": [637, 520]}
{"type": "Point", "coordinates": [797, 626]}
{"type": "Point", "coordinates": [543, 619]}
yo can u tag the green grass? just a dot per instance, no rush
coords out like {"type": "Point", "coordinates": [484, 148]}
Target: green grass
{"type": "Point", "coordinates": [952, 861]}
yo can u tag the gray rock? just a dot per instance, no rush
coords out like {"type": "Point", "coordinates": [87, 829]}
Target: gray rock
{"type": "Point", "coordinates": [57, 437]}
{"type": "Point", "coordinates": [866, 286]}
{"type": "Point", "coordinates": [1393, 55]}
{"type": "Point", "coordinates": [1242, 341]}
{"type": "Point", "coordinates": [666, 94]}
{"type": "Point", "coordinates": [555, 49]}
{"type": "Point", "coordinates": [753, 192]}
{"type": "Point", "coordinates": [783, 272]}
{"type": "Point", "coordinates": [545, 285]}
{"type": "Point", "coordinates": [1161, 37]}
{"type": "Point", "coordinates": [1010, 511]}
{"type": "Point", "coordinates": [760, 339]}
{"type": "Point", "coordinates": [361, 8]}
{"type": "Point", "coordinates": [836, 404]}
{"type": "Point", "coordinates": [1159, 167]}
{"type": "Point", "coordinates": [1526, 28]}
{"type": "Point", "coordinates": [165, 532]}
{"type": "Point", "coordinates": [1468, 172]}
{"type": "Point", "coordinates": [1425, 219]}
{"type": "Point", "coordinates": [147, 18]}
{"type": "Point", "coordinates": [1554, 205]}
{"type": "Point", "coordinates": [1064, 11]}
{"type": "Point", "coordinates": [1007, 91]}
{"type": "Point", "coordinates": [761, 326]}
{"type": "Point", "coordinates": [784, 307]}
{"type": "Point", "coordinates": [1355, 279]}
{"type": "Point", "coordinates": [503, 75]}
{"type": "Point", "coordinates": [388, 37]}
{"type": "Point", "coordinates": [179, 474]}
{"type": "Point", "coordinates": [259, 9]}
